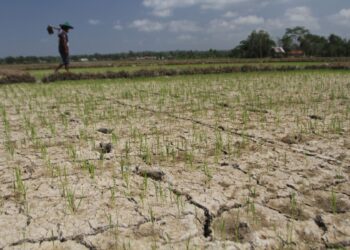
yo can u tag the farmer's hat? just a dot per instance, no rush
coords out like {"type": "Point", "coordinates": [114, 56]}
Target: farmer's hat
{"type": "Point", "coordinates": [66, 25]}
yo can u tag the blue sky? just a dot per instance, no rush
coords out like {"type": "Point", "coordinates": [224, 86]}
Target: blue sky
{"type": "Point", "coordinates": [109, 26]}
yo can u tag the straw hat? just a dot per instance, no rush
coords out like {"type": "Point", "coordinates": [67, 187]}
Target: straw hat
{"type": "Point", "coordinates": [66, 25]}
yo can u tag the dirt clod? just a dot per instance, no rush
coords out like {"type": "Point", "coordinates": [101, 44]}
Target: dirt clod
{"type": "Point", "coordinates": [105, 147]}
{"type": "Point", "coordinates": [154, 174]}
{"type": "Point", "coordinates": [293, 139]}
{"type": "Point", "coordinates": [315, 117]}
{"type": "Point", "coordinates": [105, 130]}
{"type": "Point", "coordinates": [320, 223]}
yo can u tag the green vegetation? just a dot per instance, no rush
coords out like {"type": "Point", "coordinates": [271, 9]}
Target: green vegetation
{"type": "Point", "coordinates": [258, 45]}
{"type": "Point", "coordinates": [237, 154]}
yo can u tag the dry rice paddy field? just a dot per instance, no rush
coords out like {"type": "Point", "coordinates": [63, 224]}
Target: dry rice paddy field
{"type": "Point", "coordinates": [234, 161]}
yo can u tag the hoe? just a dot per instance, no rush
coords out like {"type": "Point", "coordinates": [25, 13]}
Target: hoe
{"type": "Point", "coordinates": [50, 29]}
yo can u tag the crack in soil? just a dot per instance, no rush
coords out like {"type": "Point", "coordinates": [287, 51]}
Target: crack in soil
{"type": "Point", "coordinates": [207, 231]}
{"type": "Point", "coordinates": [253, 138]}
{"type": "Point", "coordinates": [278, 211]}
{"type": "Point", "coordinates": [334, 184]}
{"type": "Point", "coordinates": [88, 245]}
{"type": "Point", "coordinates": [136, 209]}
{"type": "Point", "coordinates": [80, 238]}
{"type": "Point", "coordinates": [340, 244]}
{"type": "Point", "coordinates": [225, 208]}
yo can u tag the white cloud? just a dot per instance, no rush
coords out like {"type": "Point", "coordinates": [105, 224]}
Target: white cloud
{"type": "Point", "coordinates": [301, 16]}
{"type": "Point", "coordinates": [297, 16]}
{"type": "Point", "coordinates": [146, 25]}
{"type": "Point", "coordinates": [218, 4]}
{"type": "Point", "coordinates": [230, 21]}
{"type": "Point", "coordinates": [276, 23]}
{"type": "Point", "coordinates": [221, 25]}
{"type": "Point", "coordinates": [185, 38]}
{"type": "Point", "coordinates": [225, 25]}
{"type": "Point", "coordinates": [175, 26]}
{"type": "Point", "coordinates": [249, 20]}
{"type": "Point", "coordinates": [164, 8]}
{"type": "Point", "coordinates": [183, 26]}
{"type": "Point", "coordinates": [230, 14]}
{"type": "Point", "coordinates": [94, 22]}
{"type": "Point", "coordinates": [118, 26]}
{"type": "Point", "coordinates": [342, 17]}
{"type": "Point", "coordinates": [345, 13]}
{"type": "Point", "coordinates": [162, 12]}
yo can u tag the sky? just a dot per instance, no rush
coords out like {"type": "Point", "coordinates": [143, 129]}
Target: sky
{"type": "Point", "coordinates": [112, 26]}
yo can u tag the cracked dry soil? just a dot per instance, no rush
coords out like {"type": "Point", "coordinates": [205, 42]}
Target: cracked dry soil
{"type": "Point", "coordinates": [197, 162]}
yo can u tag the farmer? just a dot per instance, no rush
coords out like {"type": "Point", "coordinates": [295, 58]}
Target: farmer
{"type": "Point", "coordinates": [63, 46]}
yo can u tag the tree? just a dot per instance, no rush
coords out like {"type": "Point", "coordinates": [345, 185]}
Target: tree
{"type": "Point", "coordinates": [257, 45]}
{"type": "Point", "coordinates": [313, 45]}
{"type": "Point", "coordinates": [336, 46]}
{"type": "Point", "coordinates": [294, 37]}
{"type": "Point", "coordinates": [347, 48]}
{"type": "Point", "coordinates": [10, 60]}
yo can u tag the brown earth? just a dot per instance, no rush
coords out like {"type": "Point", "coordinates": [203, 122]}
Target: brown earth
{"type": "Point", "coordinates": [199, 162]}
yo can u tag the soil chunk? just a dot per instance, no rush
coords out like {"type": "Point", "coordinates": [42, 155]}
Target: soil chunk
{"type": "Point", "coordinates": [105, 130]}
{"type": "Point", "coordinates": [315, 117]}
{"type": "Point", "coordinates": [154, 174]}
{"type": "Point", "coordinates": [293, 139]}
{"type": "Point", "coordinates": [105, 147]}
{"type": "Point", "coordinates": [320, 223]}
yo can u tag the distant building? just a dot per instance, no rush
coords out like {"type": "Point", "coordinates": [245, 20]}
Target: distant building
{"type": "Point", "coordinates": [84, 59]}
{"type": "Point", "coordinates": [296, 53]}
{"type": "Point", "coordinates": [278, 52]}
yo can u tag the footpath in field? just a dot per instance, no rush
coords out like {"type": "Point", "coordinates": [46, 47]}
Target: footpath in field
{"type": "Point", "coordinates": [223, 161]}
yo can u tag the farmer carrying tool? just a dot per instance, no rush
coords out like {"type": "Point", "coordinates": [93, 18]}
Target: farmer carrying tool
{"type": "Point", "coordinates": [63, 44]}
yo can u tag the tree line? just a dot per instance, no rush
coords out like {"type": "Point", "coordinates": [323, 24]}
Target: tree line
{"type": "Point", "coordinates": [131, 55]}
{"type": "Point", "coordinates": [258, 44]}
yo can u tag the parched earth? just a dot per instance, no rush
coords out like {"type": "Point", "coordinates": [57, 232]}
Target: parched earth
{"type": "Point", "coordinates": [241, 161]}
